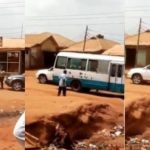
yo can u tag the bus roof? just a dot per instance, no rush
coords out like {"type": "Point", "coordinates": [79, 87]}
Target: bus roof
{"type": "Point", "coordinates": [91, 56]}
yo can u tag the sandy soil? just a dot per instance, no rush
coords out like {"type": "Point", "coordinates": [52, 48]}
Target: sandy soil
{"type": "Point", "coordinates": [11, 103]}
{"type": "Point", "coordinates": [134, 92]}
{"type": "Point", "coordinates": [137, 102]}
{"type": "Point", "coordinates": [43, 99]}
{"type": "Point", "coordinates": [42, 102]}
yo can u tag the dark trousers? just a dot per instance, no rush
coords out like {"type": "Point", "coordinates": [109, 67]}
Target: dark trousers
{"type": "Point", "coordinates": [1, 82]}
{"type": "Point", "coordinates": [62, 89]}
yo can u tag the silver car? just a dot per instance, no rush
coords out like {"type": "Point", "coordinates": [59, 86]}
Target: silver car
{"type": "Point", "coordinates": [17, 82]}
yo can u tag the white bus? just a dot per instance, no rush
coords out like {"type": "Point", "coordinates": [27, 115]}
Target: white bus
{"type": "Point", "coordinates": [87, 71]}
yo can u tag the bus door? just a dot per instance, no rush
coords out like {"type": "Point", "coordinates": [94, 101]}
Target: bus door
{"type": "Point", "coordinates": [116, 80]}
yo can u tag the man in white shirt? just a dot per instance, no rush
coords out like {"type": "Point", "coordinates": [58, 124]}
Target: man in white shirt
{"type": "Point", "coordinates": [62, 83]}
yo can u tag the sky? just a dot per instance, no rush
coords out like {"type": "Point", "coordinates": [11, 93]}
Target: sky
{"type": "Point", "coordinates": [12, 18]}
{"type": "Point", "coordinates": [134, 10]}
{"type": "Point", "coordinates": [112, 18]}
{"type": "Point", "coordinates": [70, 17]}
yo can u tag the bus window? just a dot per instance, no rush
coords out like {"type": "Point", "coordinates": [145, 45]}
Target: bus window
{"type": "Point", "coordinates": [113, 70]}
{"type": "Point", "coordinates": [119, 74]}
{"type": "Point", "coordinates": [103, 66]}
{"type": "Point", "coordinates": [61, 62]}
{"type": "Point", "coordinates": [76, 64]}
{"type": "Point", "coordinates": [93, 65]}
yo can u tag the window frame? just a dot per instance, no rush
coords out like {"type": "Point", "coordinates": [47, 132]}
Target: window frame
{"type": "Point", "coordinates": [69, 60]}
{"type": "Point", "coordinates": [88, 65]}
{"type": "Point", "coordinates": [57, 62]}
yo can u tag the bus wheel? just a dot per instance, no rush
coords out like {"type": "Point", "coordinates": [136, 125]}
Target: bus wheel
{"type": "Point", "coordinates": [76, 86]}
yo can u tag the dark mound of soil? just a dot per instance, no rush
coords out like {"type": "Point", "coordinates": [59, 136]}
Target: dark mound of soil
{"type": "Point", "coordinates": [76, 125]}
{"type": "Point", "coordinates": [137, 118]}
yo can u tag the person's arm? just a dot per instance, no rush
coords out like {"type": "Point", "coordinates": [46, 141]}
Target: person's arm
{"type": "Point", "coordinates": [19, 130]}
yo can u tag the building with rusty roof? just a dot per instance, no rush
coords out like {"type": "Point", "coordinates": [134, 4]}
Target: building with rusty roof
{"type": "Point", "coordinates": [96, 45]}
{"type": "Point", "coordinates": [12, 55]}
{"type": "Point", "coordinates": [42, 48]}
{"type": "Point", "coordinates": [116, 50]}
{"type": "Point", "coordinates": [141, 56]}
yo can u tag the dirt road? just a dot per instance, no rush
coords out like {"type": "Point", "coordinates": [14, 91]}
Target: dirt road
{"type": "Point", "coordinates": [45, 95]}
{"type": "Point", "coordinates": [134, 92]}
{"type": "Point", "coordinates": [42, 100]}
{"type": "Point", "coordinates": [43, 103]}
{"type": "Point", "coordinates": [11, 104]}
{"type": "Point", "coordinates": [137, 112]}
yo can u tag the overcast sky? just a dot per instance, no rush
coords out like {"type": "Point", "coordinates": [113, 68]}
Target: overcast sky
{"type": "Point", "coordinates": [11, 18]}
{"type": "Point", "coordinates": [134, 10]}
{"type": "Point", "coordinates": [70, 17]}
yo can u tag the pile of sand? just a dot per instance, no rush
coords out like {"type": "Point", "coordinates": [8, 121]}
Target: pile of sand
{"type": "Point", "coordinates": [138, 118]}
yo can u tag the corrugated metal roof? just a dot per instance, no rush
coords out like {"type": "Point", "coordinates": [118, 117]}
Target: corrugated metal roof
{"type": "Point", "coordinates": [35, 39]}
{"type": "Point", "coordinates": [92, 45]}
{"type": "Point", "coordinates": [117, 50]}
{"type": "Point", "coordinates": [12, 44]}
{"type": "Point", "coordinates": [144, 39]}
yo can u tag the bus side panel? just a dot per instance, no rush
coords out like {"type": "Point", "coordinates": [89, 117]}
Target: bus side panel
{"type": "Point", "coordinates": [95, 80]}
{"type": "Point", "coordinates": [93, 84]}
{"type": "Point", "coordinates": [116, 87]}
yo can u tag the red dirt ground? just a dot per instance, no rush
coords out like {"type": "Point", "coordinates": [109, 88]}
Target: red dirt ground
{"type": "Point", "coordinates": [137, 102]}
{"type": "Point", "coordinates": [10, 101]}
{"type": "Point", "coordinates": [41, 100]}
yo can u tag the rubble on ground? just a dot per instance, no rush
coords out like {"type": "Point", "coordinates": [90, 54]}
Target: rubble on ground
{"type": "Point", "coordinates": [135, 143]}
{"type": "Point", "coordinates": [113, 133]}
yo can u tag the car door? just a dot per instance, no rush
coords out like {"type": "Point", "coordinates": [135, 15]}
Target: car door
{"type": "Point", "coordinates": [50, 74]}
{"type": "Point", "coordinates": [146, 73]}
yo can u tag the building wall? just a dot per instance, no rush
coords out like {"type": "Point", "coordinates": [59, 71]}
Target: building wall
{"type": "Point", "coordinates": [27, 58]}
{"type": "Point", "coordinates": [34, 58]}
{"type": "Point", "coordinates": [143, 56]}
{"type": "Point", "coordinates": [148, 55]}
{"type": "Point", "coordinates": [36, 55]}
{"type": "Point", "coordinates": [138, 59]}
{"type": "Point", "coordinates": [49, 45]}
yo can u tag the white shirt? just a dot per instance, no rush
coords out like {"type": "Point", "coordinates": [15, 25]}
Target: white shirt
{"type": "Point", "coordinates": [62, 80]}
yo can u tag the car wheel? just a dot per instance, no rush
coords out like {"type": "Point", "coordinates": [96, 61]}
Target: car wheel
{"type": "Point", "coordinates": [136, 79]}
{"type": "Point", "coordinates": [42, 79]}
{"type": "Point", "coordinates": [76, 86]}
{"type": "Point", "coordinates": [17, 85]}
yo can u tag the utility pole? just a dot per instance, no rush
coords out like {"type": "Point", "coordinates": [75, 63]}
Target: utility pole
{"type": "Point", "coordinates": [138, 40]}
{"type": "Point", "coordinates": [86, 31]}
